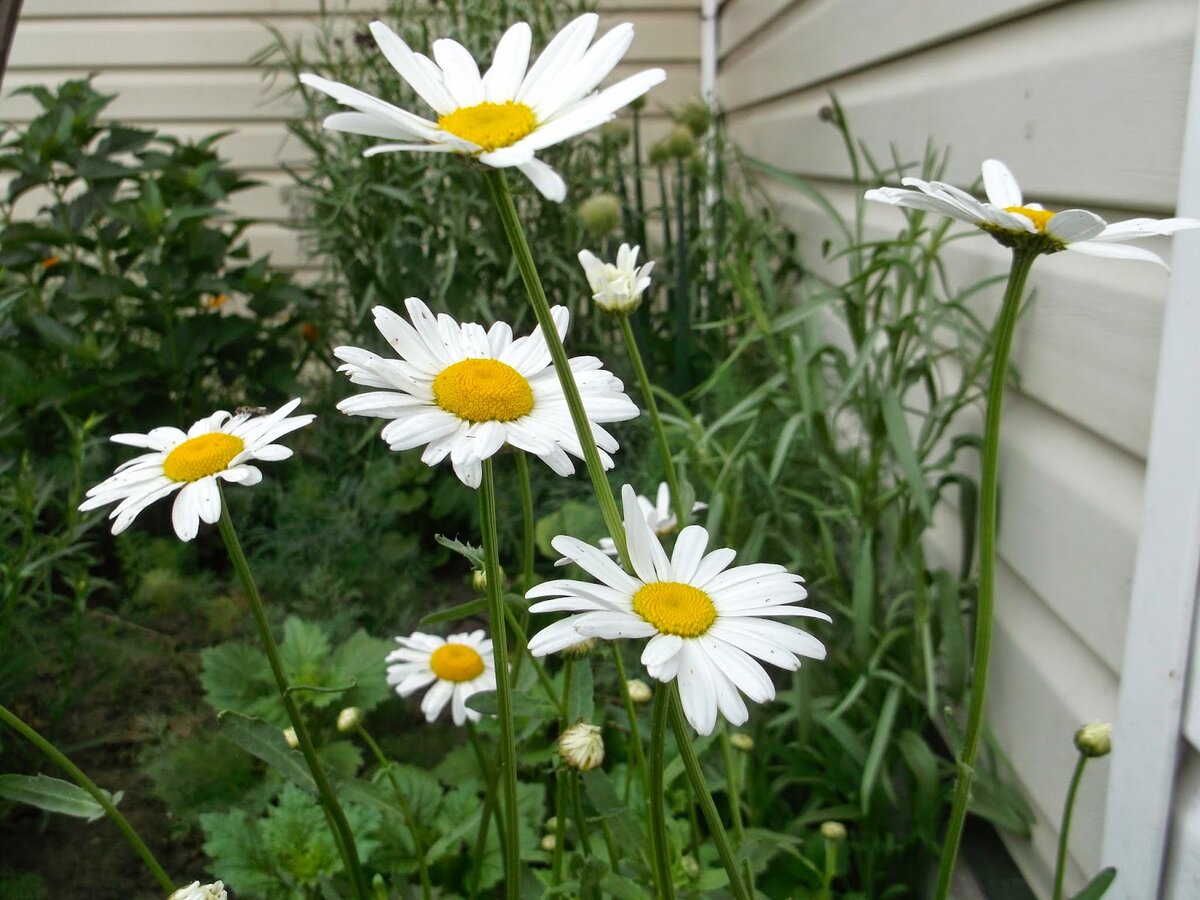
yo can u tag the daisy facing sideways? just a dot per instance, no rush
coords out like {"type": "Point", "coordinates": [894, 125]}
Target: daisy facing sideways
{"type": "Point", "coordinates": [457, 667]}
{"type": "Point", "coordinates": [617, 288]}
{"type": "Point", "coordinates": [659, 516]}
{"type": "Point", "coordinates": [1014, 222]}
{"type": "Point", "coordinates": [507, 114]}
{"type": "Point", "coordinates": [221, 446]}
{"type": "Point", "coordinates": [708, 624]}
{"type": "Point", "coordinates": [463, 392]}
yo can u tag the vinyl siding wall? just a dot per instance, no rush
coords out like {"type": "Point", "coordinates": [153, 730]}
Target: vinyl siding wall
{"type": "Point", "coordinates": [1085, 102]}
{"type": "Point", "coordinates": [184, 67]}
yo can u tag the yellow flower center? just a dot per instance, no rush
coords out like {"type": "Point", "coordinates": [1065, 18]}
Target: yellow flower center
{"type": "Point", "coordinates": [675, 608]}
{"type": "Point", "coordinates": [456, 662]}
{"type": "Point", "coordinates": [483, 390]}
{"type": "Point", "coordinates": [202, 456]}
{"type": "Point", "coordinates": [490, 125]}
{"type": "Point", "coordinates": [1039, 217]}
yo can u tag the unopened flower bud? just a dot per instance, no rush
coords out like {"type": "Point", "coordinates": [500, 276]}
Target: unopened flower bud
{"type": "Point", "coordinates": [198, 891]}
{"type": "Point", "coordinates": [690, 867]}
{"type": "Point", "coordinates": [616, 131]}
{"type": "Point", "coordinates": [696, 166]}
{"type": "Point", "coordinates": [1094, 739]}
{"type": "Point", "coordinates": [581, 746]}
{"type": "Point", "coordinates": [638, 103]}
{"type": "Point", "coordinates": [697, 116]}
{"type": "Point", "coordinates": [349, 719]}
{"type": "Point", "coordinates": [479, 580]}
{"type": "Point", "coordinates": [579, 650]}
{"type": "Point", "coordinates": [660, 153]}
{"type": "Point", "coordinates": [682, 143]}
{"type": "Point", "coordinates": [742, 741]}
{"type": "Point", "coordinates": [549, 843]}
{"type": "Point", "coordinates": [639, 691]}
{"type": "Point", "coordinates": [600, 213]}
{"type": "Point", "coordinates": [551, 824]}
{"type": "Point", "coordinates": [289, 735]}
{"type": "Point", "coordinates": [833, 831]}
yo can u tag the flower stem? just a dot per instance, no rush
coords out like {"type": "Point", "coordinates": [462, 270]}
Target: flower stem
{"type": "Point", "coordinates": [502, 199]}
{"type": "Point", "coordinates": [526, 521]}
{"type": "Point", "coordinates": [658, 817]}
{"type": "Point", "coordinates": [635, 735]}
{"type": "Point", "coordinates": [733, 790]}
{"type": "Point", "coordinates": [1002, 337]}
{"type": "Point", "coordinates": [508, 745]}
{"type": "Point", "coordinates": [1060, 864]}
{"type": "Point", "coordinates": [560, 824]}
{"type": "Point", "coordinates": [691, 764]}
{"type": "Point", "coordinates": [577, 810]}
{"type": "Point", "coordinates": [488, 774]}
{"type": "Point", "coordinates": [660, 433]}
{"type": "Point", "coordinates": [329, 802]}
{"type": "Point", "coordinates": [405, 809]}
{"type": "Point", "coordinates": [59, 759]}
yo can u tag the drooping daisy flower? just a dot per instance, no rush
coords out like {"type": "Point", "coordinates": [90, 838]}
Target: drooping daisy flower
{"type": "Point", "coordinates": [1014, 222]}
{"type": "Point", "coordinates": [457, 667]}
{"type": "Point", "coordinates": [505, 116]}
{"type": "Point", "coordinates": [617, 288]}
{"type": "Point", "coordinates": [198, 891]}
{"type": "Point", "coordinates": [221, 446]}
{"type": "Point", "coordinates": [465, 393]}
{"type": "Point", "coordinates": [707, 623]}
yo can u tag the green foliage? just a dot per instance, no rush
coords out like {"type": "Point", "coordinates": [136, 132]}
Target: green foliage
{"type": "Point", "coordinates": [54, 795]}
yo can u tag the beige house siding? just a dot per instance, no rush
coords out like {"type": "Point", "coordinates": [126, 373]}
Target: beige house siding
{"type": "Point", "coordinates": [1085, 101]}
{"type": "Point", "coordinates": [184, 67]}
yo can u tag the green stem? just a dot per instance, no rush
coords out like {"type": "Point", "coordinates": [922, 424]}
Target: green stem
{"type": "Point", "coordinates": [329, 802]}
{"type": "Point", "coordinates": [826, 892]}
{"type": "Point", "coordinates": [577, 811]}
{"type": "Point", "coordinates": [526, 521]}
{"type": "Point", "coordinates": [488, 774]}
{"type": "Point", "coordinates": [658, 816]}
{"type": "Point", "coordinates": [682, 299]}
{"type": "Point", "coordinates": [1060, 864]}
{"type": "Point", "coordinates": [508, 743]}
{"type": "Point", "coordinates": [1006, 324]}
{"type": "Point", "coordinates": [733, 790]}
{"type": "Point", "coordinates": [635, 735]}
{"type": "Point", "coordinates": [60, 760]}
{"type": "Point", "coordinates": [502, 199]}
{"type": "Point", "coordinates": [691, 764]}
{"type": "Point", "coordinates": [522, 640]}
{"type": "Point", "coordinates": [660, 433]}
{"type": "Point", "coordinates": [560, 824]}
{"type": "Point", "coordinates": [405, 809]}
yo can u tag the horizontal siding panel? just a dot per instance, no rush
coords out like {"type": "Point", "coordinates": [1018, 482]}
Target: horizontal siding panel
{"type": "Point", "coordinates": [281, 243]}
{"type": "Point", "coordinates": [1037, 110]}
{"type": "Point", "coordinates": [38, 9]}
{"type": "Point", "coordinates": [741, 18]}
{"type": "Point", "coordinates": [237, 95]}
{"type": "Point", "coordinates": [1181, 878]}
{"type": "Point", "coordinates": [820, 39]}
{"type": "Point", "coordinates": [1087, 348]}
{"type": "Point", "coordinates": [172, 43]}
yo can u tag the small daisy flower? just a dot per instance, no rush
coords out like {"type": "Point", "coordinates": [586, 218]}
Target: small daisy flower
{"type": "Point", "coordinates": [660, 516]}
{"type": "Point", "coordinates": [198, 891]}
{"type": "Point", "coordinates": [581, 746]}
{"type": "Point", "coordinates": [221, 446]}
{"type": "Point", "coordinates": [1013, 222]}
{"type": "Point", "coordinates": [617, 288]}
{"type": "Point", "coordinates": [464, 393]}
{"type": "Point", "coordinates": [707, 623]}
{"type": "Point", "coordinates": [457, 667]}
{"type": "Point", "coordinates": [503, 117]}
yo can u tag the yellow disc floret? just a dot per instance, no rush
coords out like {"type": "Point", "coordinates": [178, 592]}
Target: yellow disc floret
{"type": "Point", "coordinates": [483, 390]}
{"type": "Point", "coordinates": [675, 608]}
{"type": "Point", "coordinates": [1039, 217]}
{"type": "Point", "coordinates": [202, 456]}
{"type": "Point", "coordinates": [456, 662]}
{"type": "Point", "coordinates": [490, 125]}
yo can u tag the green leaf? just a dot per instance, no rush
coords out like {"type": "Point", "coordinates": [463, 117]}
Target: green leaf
{"type": "Point", "coordinates": [473, 555]}
{"type": "Point", "coordinates": [456, 613]}
{"type": "Point", "coordinates": [902, 448]}
{"type": "Point", "coordinates": [581, 520]}
{"type": "Point", "coordinates": [360, 659]}
{"type": "Point", "coordinates": [580, 702]}
{"type": "Point", "coordinates": [54, 795]}
{"type": "Point", "coordinates": [523, 705]}
{"type": "Point", "coordinates": [879, 744]}
{"type": "Point", "coordinates": [304, 652]}
{"type": "Point", "coordinates": [1098, 886]}
{"type": "Point", "coordinates": [863, 594]}
{"type": "Point", "coordinates": [266, 742]}
{"type": "Point", "coordinates": [236, 677]}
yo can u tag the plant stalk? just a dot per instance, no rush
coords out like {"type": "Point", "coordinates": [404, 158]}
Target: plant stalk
{"type": "Point", "coordinates": [635, 735]}
{"type": "Point", "coordinates": [508, 745]}
{"type": "Point", "coordinates": [1006, 324]}
{"type": "Point", "coordinates": [488, 774]}
{"type": "Point", "coordinates": [1060, 864]}
{"type": "Point", "coordinates": [658, 817]}
{"type": "Point", "coordinates": [77, 775]}
{"type": "Point", "coordinates": [329, 802]}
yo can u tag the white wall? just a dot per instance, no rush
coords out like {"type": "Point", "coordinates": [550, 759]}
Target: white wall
{"type": "Point", "coordinates": [1084, 100]}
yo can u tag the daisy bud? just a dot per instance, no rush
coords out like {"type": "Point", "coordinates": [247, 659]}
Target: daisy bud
{"type": "Point", "coordinates": [580, 650]}
{"type": "Point", "coordinates": [479, 580]}
{"type": "Point", "coordinates": [638, 103]}
{"type": "Point", "coordinates": [548, 843]}
{"type": "Point", "coordinates": [551, 824]}
{"type": "Point", "coordinates": [690, 867]}
{"type": "Point", "coordinates": [581, 746]}
{"type": "Point", "coordinates": [289, 735]}
{"type": "Point", "coordinates": [349, 719]}
{"type": "Point", "coordinates": [198, 891]}
{"type": "Point", "coordinates": [696, 166]}
{"type": "Point", "coordinates": [660, 153]}
{"type": "Point", "coordinates": [616, 131]}
{"type": "Point", "coordinates": [1095, 739]}
{"type": "Point", "coordinates": [696, 116]}
{"type": "Point", "coordinates": [742, 741]}
{"type": "Point", "coordinates": [833, 831]}
{"type": "Point", "coordinates": [600, 214]}
{"type": "Point", "coordinates": [639, 691]}
{"type": "Point", "coordinates": [682, 143]}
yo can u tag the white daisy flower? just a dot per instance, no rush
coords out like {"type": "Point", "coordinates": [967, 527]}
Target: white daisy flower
{"type": "Point", "coordinates": [221, 446]}
{"type": "Point", "coordinates": [465, 393]}
{"type": "Point", "coordinates": [617, 288]}
{"type": "Point", "coordinates": [503, 117]}
{"type": "Point", "coordinates": [457, 667]}
{"type": "Point", "coordinates": [198, 891]}
{"type": "Point", "coordinates": [1011, 220]}
{"type": "Point", "coordinates": [660, 516]}
{"type": "Point", "coordinates": [707, 623]}
{"type": "Point", "coordinates": [581, 746]}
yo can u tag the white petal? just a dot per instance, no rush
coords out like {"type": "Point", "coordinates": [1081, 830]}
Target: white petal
{"type": "Point", "coordinates": [461, 74]}
{"type": "Point", "coordinates": [1132, 229]}
{"type": "Point", "coordinates": [597, 62]}
{"type": "Point", "coordinates": [697, 690]}
{"type": "Point", "coordinates": [660, 648]}
{"type": "Point", "coordinates": [689, 549]}
{"type": "Point", "coordinates": [1000, 185]}
{"type": "Point", "coordinates": [562, 53]}
{"type": "Point", "coordinates": [713, 565]}
{"type": "Point", "coordinates": [1074, 225]}
{"type": "Point", "coordinates": [436, 698]}
{"type": "Point", "coordinates": [403, 60]}
{"type": "Point", "coordinates": [1115, 251]}
{"type": "Point", "coordinates": [645, 552]}
{"type": "Point", "coordinates": [737, 665]}
{"type": "Point", "coordinates": [611, 625]}
{"type": "Point", "coordinates": [185, 513]}
{"type": "Point", "coordinates": [917, 200]}
{"type": "Point", "coordinates": [548, 182]}
{"type": "Point", "coordinates": [509, 63]}
{"type": "Point", "coordinates": [207, 498]}
{"type": "Point", "coordinates": [371, 126]}
{"type": "Point", "coordinates": [595, 563]}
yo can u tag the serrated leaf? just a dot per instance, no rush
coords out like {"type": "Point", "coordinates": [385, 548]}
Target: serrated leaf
{"type": "Point", "coordinates": [54, 795]}
{"type": "Point", "coordinates": [360, 658]}
{"type": "Point", "coordinates": [472, 554]}
{"type": "Point", "coordinates": [304, 652]}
